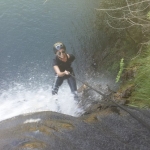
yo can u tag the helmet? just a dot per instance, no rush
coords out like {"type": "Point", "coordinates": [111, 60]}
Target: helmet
{"type": "Point", "coordinates": [57, 46]}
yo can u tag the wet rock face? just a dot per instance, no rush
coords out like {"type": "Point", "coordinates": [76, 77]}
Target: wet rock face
{"type": "Point", "coordinates": [103, 128]}
{"type": "Point", "coordinates": [125, 93]}
{"type": "Point", "coordinates": [129, 74]}
{"type": "Point", "coordinates": [88, 96]}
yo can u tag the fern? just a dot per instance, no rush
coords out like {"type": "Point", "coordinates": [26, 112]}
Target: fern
{"type": "Point", "coordinates": [120, 71]}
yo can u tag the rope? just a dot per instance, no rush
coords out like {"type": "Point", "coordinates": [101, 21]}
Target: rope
{"type": "Point", "coordinates": [122, 107]}
{"type": "Point", "coordinates": [89, 86]}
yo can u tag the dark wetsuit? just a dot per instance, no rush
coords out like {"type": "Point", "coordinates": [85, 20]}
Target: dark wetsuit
{"type": "Point", "coordinates": [59, 80]}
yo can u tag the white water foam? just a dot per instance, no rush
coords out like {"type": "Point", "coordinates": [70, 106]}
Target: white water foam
{"type": "Point", "coordinates": [20, 100]}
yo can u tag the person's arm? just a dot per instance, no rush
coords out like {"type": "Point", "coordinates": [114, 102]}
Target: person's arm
{"type": "Point", "coordinates": [59, 73]}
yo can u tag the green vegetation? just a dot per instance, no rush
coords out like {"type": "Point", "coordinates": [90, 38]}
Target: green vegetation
{"type": "Point", "coordinates": [148, 15]}
{"type": "Point", "coordinates": [141, 94]}
{"type": "Point", "coordinates": [121, 26]}
{"type": "Point", "coordinates": [120, 71]}
{"type": "Point", "coordinates": [126, 23]}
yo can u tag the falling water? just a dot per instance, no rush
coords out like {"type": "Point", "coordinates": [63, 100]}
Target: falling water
{"type": "Point", "coordinates": [28, 31]}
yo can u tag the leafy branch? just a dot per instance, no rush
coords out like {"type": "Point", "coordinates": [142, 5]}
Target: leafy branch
{"type": "Point", "coordinates": [129, 15]}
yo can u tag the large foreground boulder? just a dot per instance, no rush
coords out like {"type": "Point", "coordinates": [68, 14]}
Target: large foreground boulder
{"type": "Point", "coordinates": [109, 128]}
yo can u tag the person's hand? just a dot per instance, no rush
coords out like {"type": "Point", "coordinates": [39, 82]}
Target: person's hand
{"type": "Point", "coordinates": [66, 72]}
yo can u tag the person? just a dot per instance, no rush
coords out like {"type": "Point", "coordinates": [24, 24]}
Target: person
{"type": "Point", "coordinates": [63, 70]}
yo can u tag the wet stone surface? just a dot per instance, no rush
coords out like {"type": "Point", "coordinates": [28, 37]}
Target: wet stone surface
{"type": "Point", "coordinates": [105, 129]}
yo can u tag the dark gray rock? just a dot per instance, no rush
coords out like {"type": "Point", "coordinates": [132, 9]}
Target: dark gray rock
{"type": "Point", "coordinates": [105, 128]}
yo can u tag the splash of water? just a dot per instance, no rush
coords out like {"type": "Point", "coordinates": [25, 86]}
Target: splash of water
{"type": "Point", "coordinates": [21, 100]}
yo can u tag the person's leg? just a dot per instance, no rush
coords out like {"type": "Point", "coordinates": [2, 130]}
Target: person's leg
{"type": "Point", "coordinates": [72, 84]}
{"type": "Point", "coordinates": [56, 84]}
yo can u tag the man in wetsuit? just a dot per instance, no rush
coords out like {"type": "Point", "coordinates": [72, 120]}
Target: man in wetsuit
{"type": "Point", "coordinates": [62, 67]}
